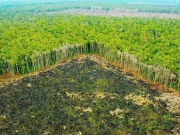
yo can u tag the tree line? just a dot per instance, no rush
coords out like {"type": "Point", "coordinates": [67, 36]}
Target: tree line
{"type": "Point", "coordinates": [23, 36]}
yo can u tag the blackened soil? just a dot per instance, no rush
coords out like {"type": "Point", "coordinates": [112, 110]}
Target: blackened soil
{"type": "Point", "coordinates": [81, 97]}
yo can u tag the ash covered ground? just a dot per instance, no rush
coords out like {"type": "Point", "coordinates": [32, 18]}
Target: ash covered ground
{"type": "Point", "coordinates": [85, 95]}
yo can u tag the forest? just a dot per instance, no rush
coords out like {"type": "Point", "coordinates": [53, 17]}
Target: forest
{"type": "Point", "coordinates": [24, 35]}
{"type": "Point", "coordinates": [40, 6]}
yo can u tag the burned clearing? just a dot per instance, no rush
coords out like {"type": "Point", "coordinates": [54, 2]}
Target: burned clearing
{"type": "Point", "coordinates": [85, 95]}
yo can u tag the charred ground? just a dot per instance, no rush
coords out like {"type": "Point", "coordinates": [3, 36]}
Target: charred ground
{"type": "Point", "coordinates": [85, 95]}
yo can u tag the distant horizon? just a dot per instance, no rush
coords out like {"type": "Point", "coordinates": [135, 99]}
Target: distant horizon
{"type": "Point", "coordinates": [151, 2]}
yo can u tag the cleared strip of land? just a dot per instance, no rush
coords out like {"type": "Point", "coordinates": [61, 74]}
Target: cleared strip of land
{"type": "Point", "coordinates": [117, 13]}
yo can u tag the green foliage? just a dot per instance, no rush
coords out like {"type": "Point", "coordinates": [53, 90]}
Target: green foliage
{"type": "Point", "coordinates": [30, 41]}
{"type": "Point", "coordinates": [36, 33]}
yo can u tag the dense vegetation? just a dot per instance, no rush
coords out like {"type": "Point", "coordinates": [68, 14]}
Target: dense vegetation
{"type": "Point", "coordinates": [24, 35]}
{"type": "Point", "coordinates": [153, 41]}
